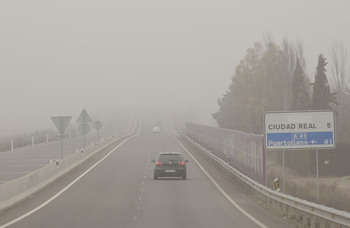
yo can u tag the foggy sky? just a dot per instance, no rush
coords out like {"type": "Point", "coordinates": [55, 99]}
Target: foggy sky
{"type": "Point", "coordinates": [58, 57]}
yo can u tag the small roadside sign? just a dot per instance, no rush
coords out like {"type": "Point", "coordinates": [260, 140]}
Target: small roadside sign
{"type": "Point", "coordinates": [299, 130]}
{"type": "Point", "coordinates": [62, 137]}
{"type": "Point", "coordinates": [84, 117]}
{"type": "Point", "coordinates": [61, 123]}
{"type": "Point", "coordinates": [84, 129]}
{"type": "Point", "coordinates": [97, 125]}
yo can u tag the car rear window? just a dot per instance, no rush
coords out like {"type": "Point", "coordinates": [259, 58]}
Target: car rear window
{"type": "Point", "coordinates": [169, 157]}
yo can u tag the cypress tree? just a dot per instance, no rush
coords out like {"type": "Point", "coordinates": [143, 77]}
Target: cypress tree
{"type": "Point", "coordinates": [321, 96]}
{"type": "Point", "coordinates": [300, 95]}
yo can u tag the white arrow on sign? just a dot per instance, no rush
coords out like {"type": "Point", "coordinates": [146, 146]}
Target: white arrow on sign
{"type": "Point", "coordinates": [61, 123]}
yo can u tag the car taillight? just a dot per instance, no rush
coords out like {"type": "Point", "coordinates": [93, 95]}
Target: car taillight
{"type": "Point", "coordinates": [158, 163]}
{"type": "Point", "coordinates": [182, 163]}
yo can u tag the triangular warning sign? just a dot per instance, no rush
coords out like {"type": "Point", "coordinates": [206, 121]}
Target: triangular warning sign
{"type": "Point", "coordinates": [61, 122]}
{"type": "Point", "coordinates": [84, 117]}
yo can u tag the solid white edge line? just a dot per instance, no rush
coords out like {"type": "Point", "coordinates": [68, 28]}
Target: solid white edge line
{"type": "Point", "coordinates": [218, 186]}
{"type": "Point", "coordinates": [68, 186]}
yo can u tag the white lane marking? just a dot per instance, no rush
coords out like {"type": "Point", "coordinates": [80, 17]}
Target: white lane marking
{"type": "Point", "coordinates": [37, 160]}
{"type": "Point", "coordinates": [9, 173]}
{"type": "Point", "coordinates": [220, 189]}
{"type": "Point", "coordinates": [20, 166]}
{"type": "Point", "coordinates": [149, 147]}
{"type": "Point", "coordinates": [70, 185]}
{"type": "Point", "coordinates": [48, 155]}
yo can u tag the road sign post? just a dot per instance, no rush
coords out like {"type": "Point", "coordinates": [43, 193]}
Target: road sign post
{"type": "Point", "coordinates": [317, 178]}
{"type": "Point", "coordinates": [300, 131]}
{"type": "Point", "coordinates": [61, 123]}
{"type": "Point", "coordinates": [84, 127]}
{"type": "Point", "coordinates": [98, 125]}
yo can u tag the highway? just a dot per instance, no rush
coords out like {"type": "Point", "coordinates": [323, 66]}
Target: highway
{"type": "Point", "coordinates": [115, 188]}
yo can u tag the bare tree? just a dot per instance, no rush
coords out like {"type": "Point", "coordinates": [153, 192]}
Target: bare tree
{"type": "Point", "coordinates": [340, 83]}
{"type": "Point", "coordinates": [338, 56]}
{"type": "Point", "coordinates": [291, 52]}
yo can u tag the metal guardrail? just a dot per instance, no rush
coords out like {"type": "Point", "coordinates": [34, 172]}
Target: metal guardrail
{"type": "Point", "coordinates": [307, 213]}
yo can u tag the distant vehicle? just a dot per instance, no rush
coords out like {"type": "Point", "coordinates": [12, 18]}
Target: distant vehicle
{"type": "Point", "coordinates": [156, 130]}
{"type": "Point", "coordinates": [170, 164]}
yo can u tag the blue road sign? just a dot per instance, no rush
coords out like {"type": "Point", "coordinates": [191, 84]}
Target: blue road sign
{"type": "Point", "coordinates": [299, 130]}
{"type": "Point", "coordinates": [310, 139]}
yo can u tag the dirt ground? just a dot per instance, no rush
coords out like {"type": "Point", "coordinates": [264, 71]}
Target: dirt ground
{"type": "Point", "coordinates": [333, 191]}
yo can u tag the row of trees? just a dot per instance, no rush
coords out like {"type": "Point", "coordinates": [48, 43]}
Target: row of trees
{"type": "Point", "coordinates": [273, 77]}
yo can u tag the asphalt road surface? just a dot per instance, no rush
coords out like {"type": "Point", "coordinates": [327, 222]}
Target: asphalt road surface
{"type": "Point", "coordinates": [116, 189]}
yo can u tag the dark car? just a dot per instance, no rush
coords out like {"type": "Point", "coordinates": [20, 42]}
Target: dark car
{"type": "Point", "coordinates": [170, 164]}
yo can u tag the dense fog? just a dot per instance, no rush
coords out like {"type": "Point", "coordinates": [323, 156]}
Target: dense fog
{"type": "Point", "coordinates": [58, 57]}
